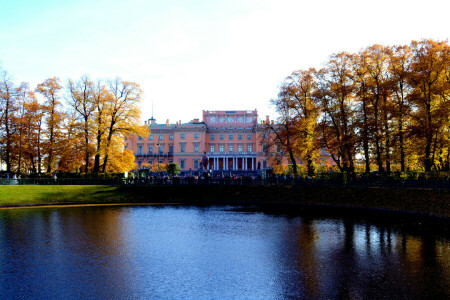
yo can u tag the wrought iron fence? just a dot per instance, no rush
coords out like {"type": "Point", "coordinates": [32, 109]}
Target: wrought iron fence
{"type": "Point", "coordinates": [432, 183]}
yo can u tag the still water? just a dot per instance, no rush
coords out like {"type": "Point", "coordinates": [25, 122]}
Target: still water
{"type": "Point", "coordinates": [216, 252]}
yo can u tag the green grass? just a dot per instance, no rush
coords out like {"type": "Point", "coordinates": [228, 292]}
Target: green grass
{"type": "Point", "coordinates": [421, 201]}
{"type": "Point", "coordinates": [58, 194]}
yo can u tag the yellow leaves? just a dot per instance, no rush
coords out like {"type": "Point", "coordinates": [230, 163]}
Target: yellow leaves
{"type": "Point", "coordinates": [159, 167]}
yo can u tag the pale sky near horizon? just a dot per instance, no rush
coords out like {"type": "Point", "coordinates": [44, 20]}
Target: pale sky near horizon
{"type": "Point", "coordinates": [196, 55]}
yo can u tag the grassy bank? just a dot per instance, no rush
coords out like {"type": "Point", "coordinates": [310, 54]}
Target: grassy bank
{"type": "Point", "coordinates": [421, 201]}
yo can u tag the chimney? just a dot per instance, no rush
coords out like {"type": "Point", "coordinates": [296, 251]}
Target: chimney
{"type": "Point", "coordinates": [267, 120]}
{"type": "Point", "coordinates": [167, 123]}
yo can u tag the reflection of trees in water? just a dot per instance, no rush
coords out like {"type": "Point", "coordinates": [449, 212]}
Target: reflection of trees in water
{"type": "Point", "coordinates": [307, 260]}
{"type": "Point", "coordinates": [348, 259]}
{"type": "Point", "coordinates": [57, 245]}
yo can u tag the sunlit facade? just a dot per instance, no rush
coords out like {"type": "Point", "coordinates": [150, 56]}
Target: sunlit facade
{"type": "Point", "coordinates": [233, 142]}
{"type": "Point", "coordinates": [230, 139]}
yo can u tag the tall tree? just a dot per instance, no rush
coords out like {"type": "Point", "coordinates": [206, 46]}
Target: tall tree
{"type": "Point", "coordinates": [300, 89]}
{"type": "Point", "coordinates": [83, 102]}
{"type": "Point", "coordinates": [360, 76]}
{"type": "Point", "coordinates": [429, 96]}
{"type": "Point", "coordinates": [99, 96]}
{"type": "Point", "coordinates": [376, 64]}
{"type": "Point", "coordinates": [399, 68]}
{"type": "Point", "coordinates": [50, 90]}
{"type": "Point", "coordinates": [8, 108]}
{"type": "Point", "coordinates": [335, 93]}
{"type": "Point", "coordinates": [280, 137]}
{"type": "Point", "coordinates": [123, 113]}
{"type": "Point", "coordinates": [32, 120]}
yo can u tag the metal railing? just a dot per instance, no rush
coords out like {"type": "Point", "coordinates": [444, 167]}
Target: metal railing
{"type": "Point", "coordinates": [433, 183]}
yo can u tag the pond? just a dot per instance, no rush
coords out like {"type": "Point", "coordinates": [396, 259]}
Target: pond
{"type": "Point", "coordinates": [216, 252]}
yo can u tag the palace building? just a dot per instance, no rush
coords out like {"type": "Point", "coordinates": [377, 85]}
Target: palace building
{"type": "Point", "coordinates": [229, 138]}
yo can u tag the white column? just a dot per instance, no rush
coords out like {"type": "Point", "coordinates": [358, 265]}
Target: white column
{"type": "Point", "coordinates": [226, 166]}
{"type": "Point", "coordinates": [253, 164]}
{"type": "Point", "coordinates": [245, 163]}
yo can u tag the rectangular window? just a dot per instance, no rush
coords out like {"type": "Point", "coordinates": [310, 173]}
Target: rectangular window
{"type": "Point", "coordinates": [139, 163]}
{"type": "Point", "coordinates": [140, 149]}
{"type": "Point", "coordinates": [126, 145]}
{"type": "Point", "coordinates": [170, 160]}
{"type": "Point", "coordinates": [221, 137]}
{"type": "Point", "coordinates": [150, 137]}
{"type": "Point", "coordinates": [249, 148]}
{"type": "Point", "coordinates": [182, 163]}
{"type": "Point", "coordinates": [150, 148]}
{"type": "Point", "coordinates": [182, 136]}
{"type": "Point", "coordinates": [213, 137]}
{"type": "Point", "coordinates": [264, 164]}
{"type": "Point", "coordinates": [140, 138]}
{"type": "Point", "coordinates": [161, 137]}
{"type": "Point", "coordinates": [182, 147]}
{"type": "Point", "coordinates": [240, 148]}
{"type": "Point", "coordinates": [240, 137]}
{"type": "Point", "coordinates": [195, 163]}
{"type": "Point", "coordinates": [196, 147]}
{"type": "Point", "coordinates": [171, 148]}
{"type": "Point", "coordinates": [212, 148]}
{"type": "Point", "coordinates": [150, 162]}
{"type": "Point", "coordinates": [230, 148]}
{"type": "Point", "coordinates": [161, 148]}
{"type": "Point", "coordinates": [230, 137]}
{"type": "Point", "coordinates": [171, 137]}
{"type": "Point", "coordinates": [249, 136]}
{"type": "Point", "coordinates": [221, 148]}
{"type": "Point", "coordinates": [196, 136]}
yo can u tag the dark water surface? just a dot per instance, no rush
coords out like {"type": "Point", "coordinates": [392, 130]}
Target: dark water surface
{"type": "Point", "coordinates": [216, 252]}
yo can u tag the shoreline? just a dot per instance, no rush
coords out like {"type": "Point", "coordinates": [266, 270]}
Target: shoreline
{"type": "Point", "coordinates": [422, 203]}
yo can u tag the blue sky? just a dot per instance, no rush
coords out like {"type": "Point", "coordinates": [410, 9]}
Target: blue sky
{"type": "Point", "coordinates": [201, 54]}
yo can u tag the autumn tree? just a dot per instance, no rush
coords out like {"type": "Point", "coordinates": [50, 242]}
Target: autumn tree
{"type": "Point", "coordinates": [50, 90]}
{"type": "Point", "coordinates": [280, 137]}
{"type": "Point", "coordinates": [376, 63]}
{"type": "Point", "coordinates": [399, 68]}
{"type": "Point", "coordinates": [335, 93]}
{"type": "Point", "coordinates": [429, 82]}
{"type": "Point", "coordinates": [122, 112]}
{"type": "Point", "coordinates": [360, 77]}
{"type": "Point", "coordinates": [99, 121]}
{"type": "Point", "coordinates": [82, 100]}
{"type": "Point", "coordinates": [8, 107]}
{"type": "Point", "coordinates": [299, 91]}
{"type": "Point", "coordinates": [21, 127]}
{"type": "Point", "coordinates": [71, 145]}
{"type": "Point", "coordinates": [32, 125]}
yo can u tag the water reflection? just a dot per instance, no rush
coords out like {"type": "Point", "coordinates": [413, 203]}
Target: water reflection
{"type": "Point", "coordinates": [189, 252]}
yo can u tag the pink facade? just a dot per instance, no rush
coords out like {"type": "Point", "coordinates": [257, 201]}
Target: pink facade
{"type": "Point", "coordinates": [232, 141]}
{"type": "Point", "coordinates": [229, 138]}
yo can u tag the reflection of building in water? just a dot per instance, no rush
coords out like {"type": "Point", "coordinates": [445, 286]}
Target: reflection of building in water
{"type": "Point", "coordinates": [233, 141]}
